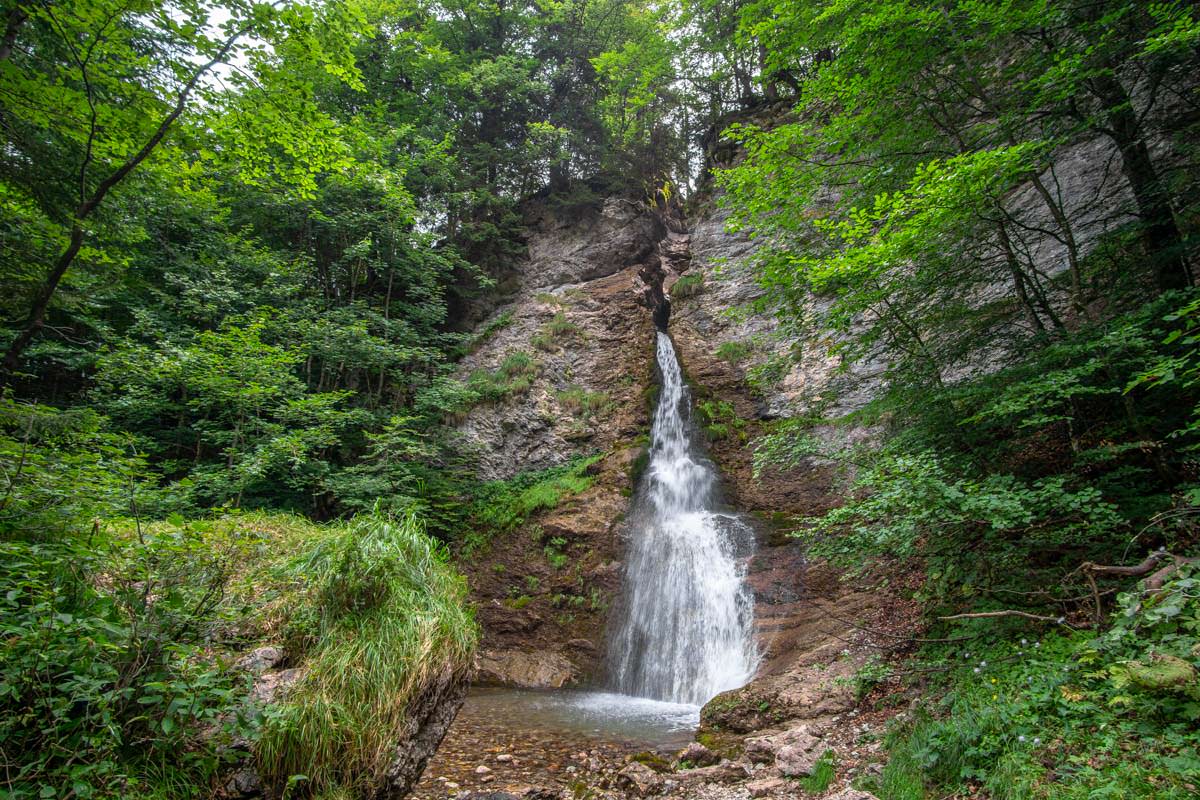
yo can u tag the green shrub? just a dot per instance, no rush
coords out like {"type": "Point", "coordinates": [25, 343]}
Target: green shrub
{"type": "Point", "coordinates": [1063, 714]}
{"type": "Point", "coordinates": [688, 286]}
{"type": "Point", "coordinates": [719, 419]}
{"type": "Point", "coordinates": [390, 619]}
{"type": "Point", "coordinates": [554, 552]}
{"type": "Point", "coordinates": [501, 506]}
{"type": "Point", "coordinates": [576, 400]}
{"type": "Point", "coordinates": [734, 352]}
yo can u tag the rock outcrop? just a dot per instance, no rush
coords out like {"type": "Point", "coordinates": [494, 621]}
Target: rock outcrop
{"type": "Point", "coordinates": [579, 310]}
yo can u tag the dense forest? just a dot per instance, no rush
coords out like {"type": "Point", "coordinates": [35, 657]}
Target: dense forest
{"type": "Point", "coordinates": [246, 246]}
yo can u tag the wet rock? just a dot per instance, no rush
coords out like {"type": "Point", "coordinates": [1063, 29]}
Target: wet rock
{"type": "Point", "coordinates": [428, 717]}
{"type": "Point", "coordinates": [698, 755]}
{"type": "Point", "coordinates": [639, 779]}
{"type": "Point", "coordinates": [524, 669]}
{"type": "Point", "coordinates": [260, 660]}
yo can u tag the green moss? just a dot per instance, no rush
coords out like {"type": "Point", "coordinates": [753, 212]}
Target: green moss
{"type": "Point", "coordinates": [725, 745]}
{"type": "Point", "coordinates": [655, 761]}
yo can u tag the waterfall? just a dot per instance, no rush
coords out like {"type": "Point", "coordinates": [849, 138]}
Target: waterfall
{"type": "Point", "coordinates": [685, 632]}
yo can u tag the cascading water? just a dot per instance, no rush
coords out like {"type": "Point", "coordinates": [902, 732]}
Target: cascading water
{"type": "Point", "coordinates": [685, 635]}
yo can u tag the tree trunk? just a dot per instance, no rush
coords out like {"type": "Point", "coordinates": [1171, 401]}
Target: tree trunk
{"type": "Point", "coordinates": [1161, 236]}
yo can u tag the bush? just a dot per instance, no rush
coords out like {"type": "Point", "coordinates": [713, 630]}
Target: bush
{"type": "Point", "coordinates": [383, 615]}
{"type": "Point", "coordinates": [688, 286]}
{"type": "Point", "coordinates": [105, 679]}
{"type": "Point", "coordinates": [1064, 714]}
{"type": "Point", "coordinates": [501, 506]}
{"type": "Point", "coordinates": [734, 352]}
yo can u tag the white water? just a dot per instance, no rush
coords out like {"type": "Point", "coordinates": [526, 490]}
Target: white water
{"type": "Point", "coordinates": [686, 634]}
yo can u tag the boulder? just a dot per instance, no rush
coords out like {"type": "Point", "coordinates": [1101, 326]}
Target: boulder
{"type": "Point", "coordinates": [639, 779]}
{"type": "Point", "coordinates": [794, 751]}
{"type": "Point", "coordinates": [724, 772]}
{"type": "Point", "coordinates": [258, 661]}
{"type": "Point", "coordinates": [244, 783]}
{"type": "Point", "coordinates": [766, 787]}
{"type": "Point", "coordinates": [539, 670]}
{"type": "Point", "coordinates": [698, 755]}
{"type": "Point", "coordinates": [273, 686]}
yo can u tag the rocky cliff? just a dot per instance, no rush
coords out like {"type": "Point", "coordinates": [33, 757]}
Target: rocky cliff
{"type": "Point", "coordinates": [578, 312]}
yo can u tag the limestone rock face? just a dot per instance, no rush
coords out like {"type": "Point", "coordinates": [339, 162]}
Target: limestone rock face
{"type": "Point", "coordinates": [570, 249]}
{"type": "Point", "coordinates": [428, 718]}
{"type": "Point", "coordinates": [532, 670]}
{"type": "Point", "coordinates": [577, 309]}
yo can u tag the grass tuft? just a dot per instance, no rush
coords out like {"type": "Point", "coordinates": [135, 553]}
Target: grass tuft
{"type": "Point", "coordinates": [386, 618]}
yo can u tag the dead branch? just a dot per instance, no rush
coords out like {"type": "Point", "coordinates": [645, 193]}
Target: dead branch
{"type": "Point", "coordinates": [1006, 613]}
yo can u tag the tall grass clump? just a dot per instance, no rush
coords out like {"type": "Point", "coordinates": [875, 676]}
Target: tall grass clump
{"type": "Point", "coordinates": [384, 618]}
{"type": "Point", "coordinates": [688, 286]}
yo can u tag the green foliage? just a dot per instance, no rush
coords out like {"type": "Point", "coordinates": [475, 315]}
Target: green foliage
{"type": "Point", "coordinates": [719, 419]}
{"type": "Point", "coordinates": [243, 426]}
{"type": "Point", "coordinates": [1062, 715]}
{"type": "Point", "coordinates": [100, 684]}
{"type": "Point", "coordinates": [577, 400]}
{"type": "Point", "coordinates": [549, 336]}
{"type": "Point", "coordinates": [735, 352]}
{"type": "Point", "coordinates": [824, 771]}
{"type": "Point", "coordinates": [688, 285]}
{"type": "Point", "coordinates": [61, 469]}
{"type": "Point", "coordinates": [554, 553]}
{"type": "Point", "coordinates": [386, 620]}
{"type": "Point", "coordinates": [502, 506]}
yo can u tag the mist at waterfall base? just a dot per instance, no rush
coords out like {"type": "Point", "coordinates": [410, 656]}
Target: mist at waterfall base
{"type": "Point", "coordinates": [683, 631]}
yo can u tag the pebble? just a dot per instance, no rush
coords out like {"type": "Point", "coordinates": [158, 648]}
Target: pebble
{"type": "Point", "coordinates": [504, 758]}
{"type": "Point", "coordinates": [482, 770]}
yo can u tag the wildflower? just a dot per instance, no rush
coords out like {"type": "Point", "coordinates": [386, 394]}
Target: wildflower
{"type": "Point", "coordinates": [977, 670]}
{"type": "Point", "coordinates": [983, 663]}
{"type": "Point", "coordinates": [1021, 738]}
{"type": "Point", "coordinates": [1036, 740]}
{"type": "Point", "coordinates": [1061, 620]}
{"type": "Point", "coordinates": [1024, 641]}
{"type": "Point", "coordinates": [993, 680]}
